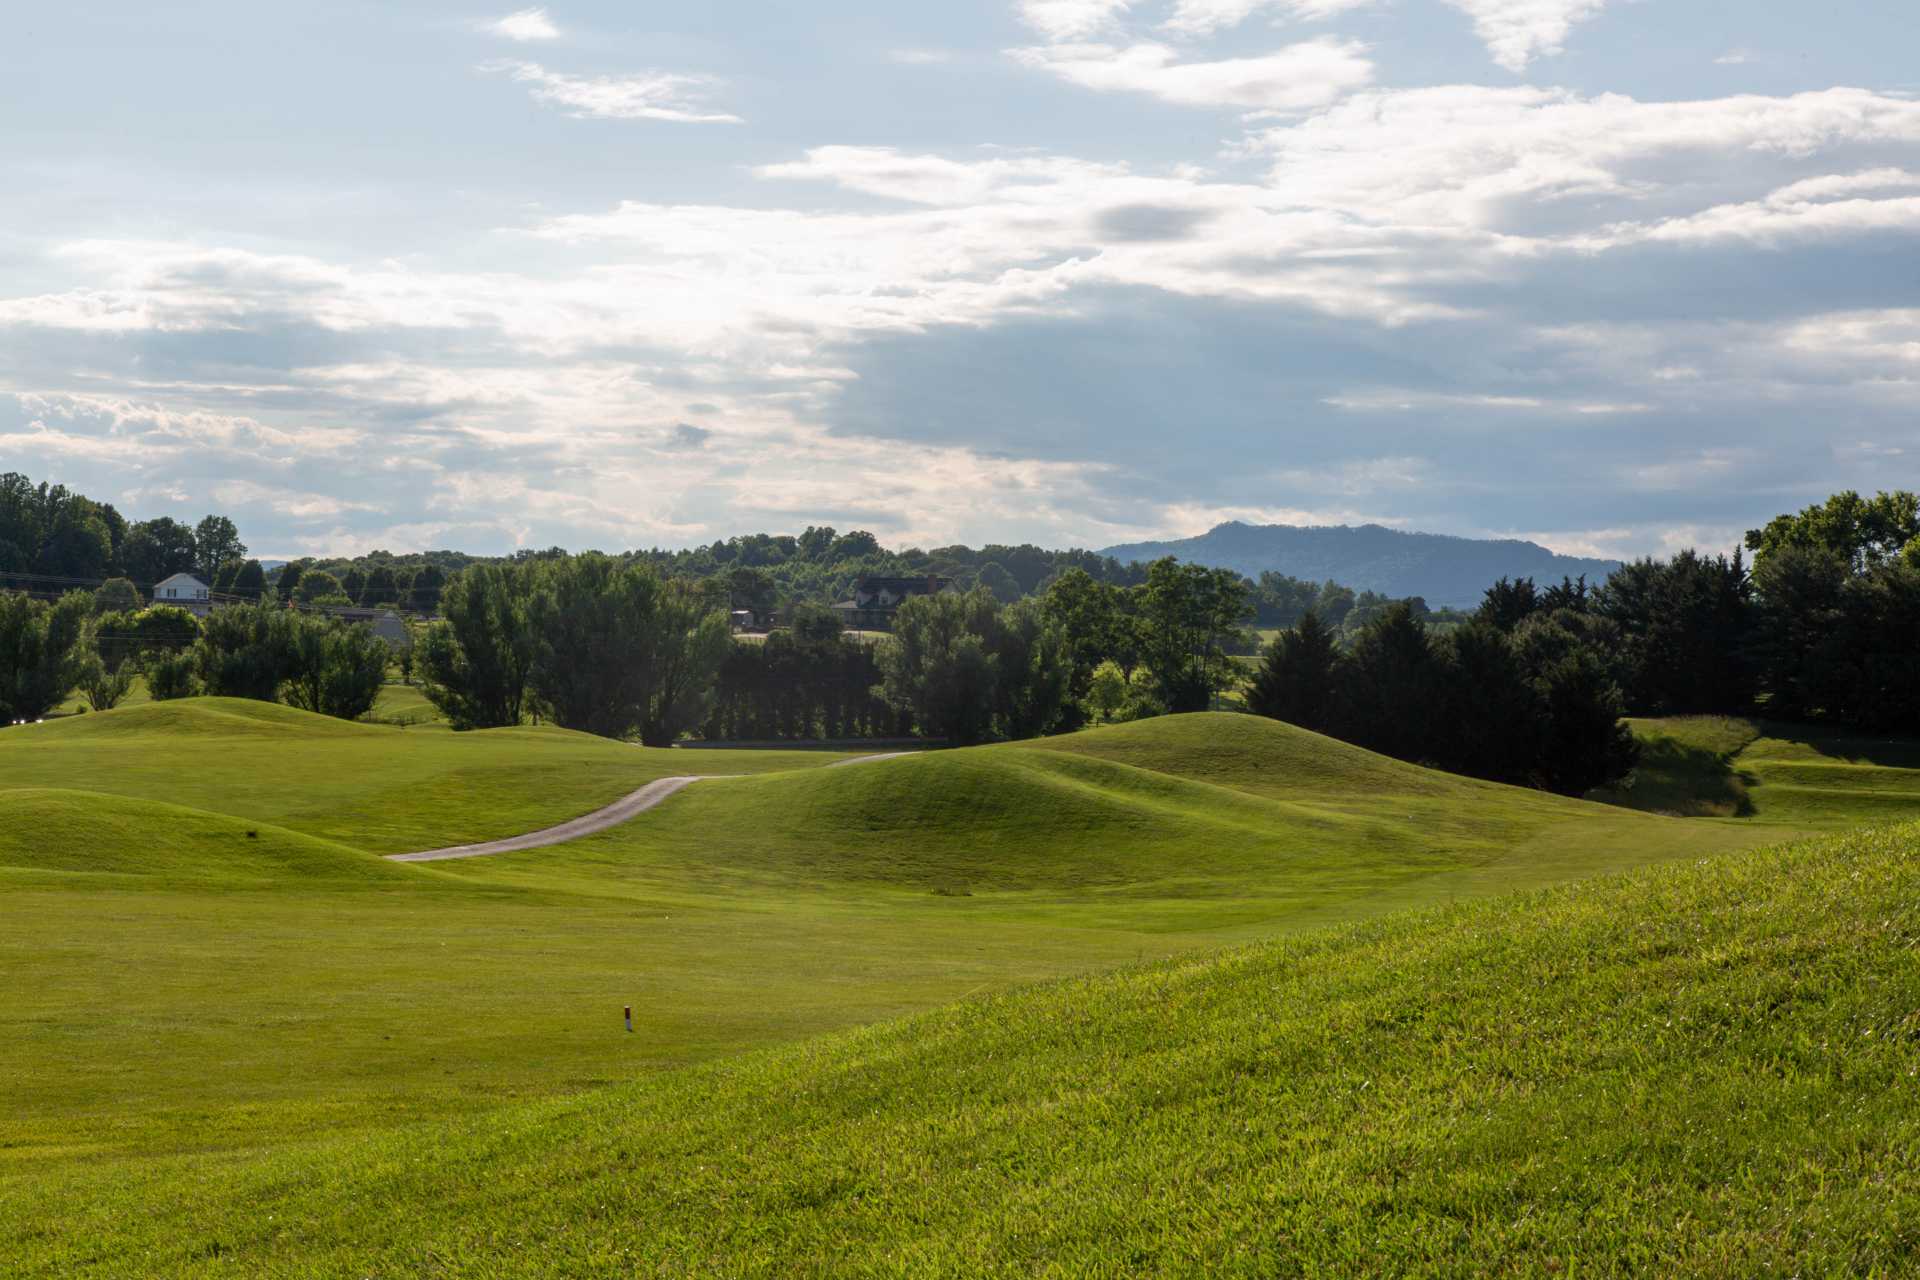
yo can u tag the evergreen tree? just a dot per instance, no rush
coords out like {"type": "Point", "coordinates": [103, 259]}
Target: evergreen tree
{"type": "Point", "coordinates": [1388, 688]}
{"type": "Point", "coordinates": [1298, 676]}
{"type": "Point", "coordinates": [251, 582]}
{"type": "Point", "coordinates": [1508, 603]}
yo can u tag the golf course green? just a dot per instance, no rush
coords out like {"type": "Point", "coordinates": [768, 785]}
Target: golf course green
{"type": "Point", "coordinates": [234, 1029]}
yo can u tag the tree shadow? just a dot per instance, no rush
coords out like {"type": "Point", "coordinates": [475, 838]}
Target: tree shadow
{"type": "Point", "coordinates": [1684, 781]}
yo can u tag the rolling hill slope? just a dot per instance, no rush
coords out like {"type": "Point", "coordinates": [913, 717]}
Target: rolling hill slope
{"type": "Point", "coordinates": [178, 983]}
{"type": "Point", "coordinates": [1696, 1070]}
{"type": "Point", "coordinates": [376, 787]}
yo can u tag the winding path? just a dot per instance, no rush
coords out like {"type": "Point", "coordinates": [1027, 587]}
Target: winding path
{"type": "Point", "coordinates": [626, 807]}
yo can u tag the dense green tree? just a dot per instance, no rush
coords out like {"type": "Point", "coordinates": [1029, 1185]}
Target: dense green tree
{"type": "Point", "coordinates": [1864, 532]}
{"type": "Point", "coordinates": [1391, 687]}
{"type": "Point", "coordinates": [689, 641]}
{"type": "Point", "coordinates": [354, 583]}
{"type": "Point", "coordinates": [995, 578]}
{"type": "Point", "coordinates": [938, 667]}
{"type": "Point", "coordinates": [336, 668]}
{"type": "Point", "coordinates": [170, 676]}
{"type": "Point", "coordinates": [593, 620]}
{"type": "Point", "coordinates": [1800, 643]}
{"type": "Point", "coordinates": [1492, 716]}
{"type": "Point", "coordinates": [382, 587]}
{"type": "Point", "coordinates": [42, 656]}
{"type": "Point", "coordinates": [318, 587]}
{"type": "Point", "coordinates": [1033, 668]}
{"type": "Point", "coordinates": [225, 576]}
{"type": "Point", "coordinates": [215, 542]}
{"type": "Point", "coordinates": [246, 651]}
{"type": "Point", "coordinates": [116, 595]}
{"type": "Point", "coordinates": [157, 549]}
{"type": "Point", "coordinates": [1298, 676]}
{"type": "Point", "coordinates": [104, 687]}
{"type": "Point", "coordinates": [251, 582]}
{"type": "Point", "coordinates": [287, 584]}
{"type": "Point", "coordinates": [1585, 743]}
{"type": "Point", "coordinates": [423, 593]}
{"type": "Point", "coordinates": [78, 547]}
{"type": "Point", "coordinates": [475, 661]}
{"type": "Point", "coordinates": [1094, 621]}
{"type": "Point", "coordinates": [1188, 616]}
{"type": "Point", "coordinates": [1508, 603]}
{"type": "Point", "coordinates": [1685, 627]}
{"type": "Point", "coordinates": [1881, 610]}
{"type": "Point", "coordinates": [133, 638]}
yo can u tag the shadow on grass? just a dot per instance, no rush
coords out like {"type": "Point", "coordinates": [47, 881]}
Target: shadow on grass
{"type": "Point", "coordinates": [1683, 780]}
{"type": "Point", "coordinates": [1842, 746]}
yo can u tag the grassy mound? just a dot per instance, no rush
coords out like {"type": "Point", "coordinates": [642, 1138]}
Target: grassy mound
{"type": "Point", "coordinates": [196, 718]}
{"type": "Point", "coordinates": [1699, 1070]}
{"type": "Point", "coordinates": [1237, 817]}
{"type": "Point", "coordinates": [1252, 753]}
{"type": "Point", "coordinates": [76, 831]}
{"type": "Point", "coordinates": [382, 788]}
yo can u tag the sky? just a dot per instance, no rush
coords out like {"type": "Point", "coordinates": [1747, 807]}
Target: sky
{"type": "Point", "coordinates": [1620, 276]}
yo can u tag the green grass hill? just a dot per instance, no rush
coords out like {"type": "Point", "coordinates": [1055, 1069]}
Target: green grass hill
{"type": "Point", "coordinates": [1695, 1070]}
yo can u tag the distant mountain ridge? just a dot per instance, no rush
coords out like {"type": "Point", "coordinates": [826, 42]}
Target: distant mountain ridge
{"type": "Point", "coordinates": [1444, 570]}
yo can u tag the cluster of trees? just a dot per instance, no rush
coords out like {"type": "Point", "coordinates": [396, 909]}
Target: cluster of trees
{"type": "Point", "coordinates": [966, 666]}
{"type": "Point", "coordinates": [1824, 626]}
{"type": "Point", "coordinates": [49, 649]}
{"type": "Point", "coordinates": [377, 580]}
{"type": "Point", "coordinates": [1536, 703]}
{"type": "Point", "coordinates": [1282, 601]}
{"type": "Point", "coordinates": [594, 643]}
{"type": "Point", "coordinates": [50, 534]}
{"type": "Point", "coordinates": [808, 680]}
{"type": "Point", "coordinates": [765, 571]}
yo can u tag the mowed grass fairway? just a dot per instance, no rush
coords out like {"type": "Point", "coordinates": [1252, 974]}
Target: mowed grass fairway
{"type": "Point", "coordinates": [1696, 1070]}
{"type": "Point", "coordinates": [210, 971]}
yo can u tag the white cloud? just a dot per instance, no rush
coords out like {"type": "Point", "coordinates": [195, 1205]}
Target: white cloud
{"type": "Point", "coordinates": [525, 25]}
{"type": "Point", "coordinates": [1814, 207]}
{"type": "Point", "coordinates": [1518, 31]}
{"type": "Point", "coordinates": [1734, 58]}
{"type": "Point", "coordinates": [651, 95]}
{"type": "Point", "coordinates": [1071, 19]}
{"type": "Point", "coordinates": [1499, 159]}
{"type": "Point", "coordinates": [1309, 74]}
{"type": "Point", "coordinates": [1204, 17]}
{"type": "Point", "coordinates": [920, 57]}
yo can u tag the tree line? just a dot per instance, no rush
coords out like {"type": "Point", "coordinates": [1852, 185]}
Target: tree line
{"type": "Point", "coordinates": [51, 537]}
{"type": "Point", "coordinates": [1824, 626]}
{"type": "Point", "coordinates": [50, 649]}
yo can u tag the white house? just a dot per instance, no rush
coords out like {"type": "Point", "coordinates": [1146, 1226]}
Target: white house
{"type": "Point", "coordinates": [185, 591]}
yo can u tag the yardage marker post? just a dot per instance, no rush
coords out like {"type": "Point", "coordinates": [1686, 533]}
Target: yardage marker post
{"type": "Point", "coordinates": [629, 1018]}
